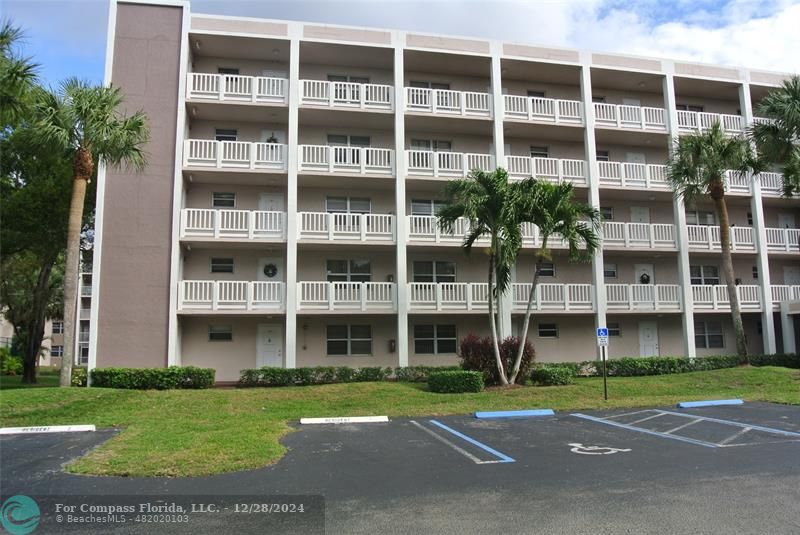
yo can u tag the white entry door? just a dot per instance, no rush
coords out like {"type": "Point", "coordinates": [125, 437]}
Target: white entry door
{"type": "Point", "coordinates": [270, 202]}
{"type": "Point", "coordinates": [270, 269]}
{"type": "Point", "coordinates": [644, 274]}
{"type": "Point", "coordinates": [786, 221]}
{"type": "Point", "coordinates": [648, 339]}
{"type": "Point", "coordinates": [791, 275]}
{"type": "Point", "coordinates": [269, 345]}
{"type": "Point", "coordinates": [640, 214]}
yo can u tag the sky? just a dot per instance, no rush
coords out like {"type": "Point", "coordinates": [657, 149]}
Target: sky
{"type": "Point", "coordinates": [67, 37]}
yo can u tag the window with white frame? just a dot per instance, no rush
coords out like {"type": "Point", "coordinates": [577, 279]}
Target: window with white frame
{"type": "Point", "coordinates": [223, 199]}
{"type": "Point", "coordinates": [422, 84]}
{"type": "Point", "coordinates": [58, 327]}
{"type": "Point", "coordinates": [613, 328]}
{"type": "Point", "coordinates": [700, 217]}
{"type": "Point", "coordinates": [434, 271]}
{"type": "Point", "coordinates": [688, 107]}
{"type": "Point", "coordinates": [539, 151]}
{"type": "Point", "coordinates": [610, 270]}
{"type": "Point", "coordinates": [708, 334]}
{"type": "Point", "coordinates": [426, 206]}
{"type": "Point", "coordinates": [704, 274]}
{"type": "Point", "coordinates": [221, 264]}
{"type": "Point", "coordinates": [226, 134]}
{"type": "Point", "coordinates": [349, 271]}
{"type": "Point", "coordinates": [435, 339]}
{"type": "Point", "coordinates": [755, 272]}
{"type": "Point", "coordinates": [547, 269]}
{"type": "Point", "coordinates": [603, 156]}
{"type": "Point", "coordinates": [436, 145]}
{"type": "Point", "coordinates": [220, 333]}
{"type": "Point", "coordinates": [348, 205]}
{"type": "Point", "coordinates": [346, 140]}
{"type": "Point", "coordinates": [548, 330]}
{"type": "Point", "coordinates": [349, 340]}
{"type": "Point", "coordinates": [348, 78]}
{"type": "Point", "coordinates": [57, 351]}
{"type": "Point", "coordinates": [228, 70]}
{"type": "Point", "coordinates": [607, 213]}
{"type": "Point", "coordinates": [535, 94]}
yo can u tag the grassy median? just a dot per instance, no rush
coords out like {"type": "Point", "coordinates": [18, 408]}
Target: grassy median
{"type": "Point", "coordinates": [201, 432]}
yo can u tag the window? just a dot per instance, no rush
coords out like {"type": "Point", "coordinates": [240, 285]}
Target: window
{"type": "Point", "coordinates": [436, 145]}
{"type": "Point", "coordinates": [345, 140]}
{"type": "Point", "coordinates": [688, 107]}
{"type": "Point", "coordinates": [700, 217]}
{"type": "Point", "coordinates": [221, 199]}
{"type": "Point", "coordinates": [347, 78]}
{"type": "Point", "coordinates": [708, 334]}
{"type": "Point", "coordinates": [599, 100]}
{"type": "Point", "coordinates": [613, 329]}
{"type": "Point", "coordinates": [349, 271]}
{"type": "Point", "coordinates": [749, 218]}
{"type": "Point", "coordinates": [348, 205]}
{"type": "Point", "coordinates": [225, 134]}
{"type": "Point", "coordinates": [434, 339]}
{"type": "Point", "coordinates": [603, 156]}
{"type": "Point", "coordinates": [58, 327]}
{"type": "Point", "coordinates": [430, 271]}
{"type": "Point", "coordinates": [425, 206]}
{"type": "Point", "coordinates": [547, 269]}
{"type": "Point", "coordinates": [227, 70]}
{"type": "Point", "coordinates": [704, 274]}
{"type": "Point", "coordinates": [607, 213]}
{"type": "Point", "coordinates": [610, 271]}
{"type": "Point", "coordinates": [220, 333]}
{"type": "Point", "coordinates": [548, 330]}
{"type": "Point", "coordinates": [57, 351]}
{"type": "Point", "coordinates": [540, 151]}
{"type": "Point", "coordinates": [428, 85]}
{"type": "Point", "coordinates": [755, 272]}
{"type": "Point", "coordinates": [349, 339]}
{"type": "Point", "coordinates": [221, 264]}
{"type": "Point", "coordinates": [536, 94]}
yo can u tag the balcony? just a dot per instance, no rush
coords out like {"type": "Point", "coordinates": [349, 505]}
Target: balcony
{"type": "Point", "coordinates": [647, 297]}
{"type": "Point", "coordinates": [697, 122]}
{"type": "Point", "coordinates": [633, 175]}
{"type": "Point", "coordinates": [346, 95]}
{"type": "Point", "coordinates": [784, 292]}
{"type": "Point", "coordinates": [543, 110]}
{"type": "Point", "coordinates": [236, 224]}
{"type": "Point", "coordinates": [338, 226]}
{"type": "Point", "coordinates": [448, 296]}
{"type": "Point", "coordinates": [212, 154]}
{"type": "Point", "coordinates": [448, 102]}
{"type": "Point", "coordinates": [231, 295]}
{"type": "Point", "coordinates": [446, 164]}
{"type": "Point", "coordinates": [715, 297]}
{"type": "Point", "coordinates": [646, 235]}
{"type": "Point", "coordinates": [707, 237]}
{"type": "Point", "coordinates": [424, 228]}
{"type": "Point", "coordinates": [631, 117]}
{"type": "Point", "coordinates": [347, 296]}
{"type": "Point", "coordinates": [235, 88]}
{"type": "Point", "coordinates": [771, 184]}
{"type": "Point", "coordinates": [346, 160]}
{"type": "Point", "coordinates": [552, 169]}
{"type": "Point", "coordinates": [553, 297]}
{"type": "Point", "coordinates": [783, 240]}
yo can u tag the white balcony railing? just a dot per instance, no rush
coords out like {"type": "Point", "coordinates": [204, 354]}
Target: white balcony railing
{"type": "Point", "coordinates": [348, 296]}
{"type": "Point", "coordinates": [231, 295]}
{"type": "Point", "coordinates": [209, 153]}
{"type": "Point", "coordinates": [346, 160]}
{"type": "Point", "coordinates": [633, 175]}
{"type": "Point", "coordinates": [425, 228]}
{"type": "Point", "coordinates": [771, 184]}
{"type": "Point", "coordinates": [707, 237]}
{"type": "Point", "coordinates": [737, 182]}
{"type": "Point", "coordinates": [236, 88]}
{"type": "Point", "coordinates": [624, 116]}
{"type": "Point", "coordinates": [339, 226]}
{"type": "Point", "coordinates": [448, 296]}
{"type": "Point", "coordinates": [553, 296]}
{"type": "Point", "coordinates": [784, 292]}
{"type": "Point", "coordinates": [539, 109]}
{"type": "Point", "coordinates": [346, 95]}
{"type": "Point", "coordinates": [783, 239]}
{"type": "Point", "coordinates": [446, 164]}
{"type": "Point", "coordinates": [650, 235]}
{"type": "Point", "coordinates": [715, 297]}
{"type": "Point", "coordinates": [448, 102]}
{"type": "Point", "coordinates": [243, 224]}
{"type": "Point", "coordinates": [697, 121]}
{"type": "Point", "coordinates": [553, 169]}
{"type": "Point", "coordinates": [643, 297]}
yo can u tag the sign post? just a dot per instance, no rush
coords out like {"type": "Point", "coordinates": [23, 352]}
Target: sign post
{"type": "Point", "coordinates": [602, 343]}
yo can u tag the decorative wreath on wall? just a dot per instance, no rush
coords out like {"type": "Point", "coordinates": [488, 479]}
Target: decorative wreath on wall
{"type": "Point", "coordinates": [644, 278]}
{"type": "Point", "coordinates": [270, 270]}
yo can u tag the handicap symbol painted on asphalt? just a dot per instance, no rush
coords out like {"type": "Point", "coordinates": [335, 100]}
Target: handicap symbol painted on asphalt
{"type": "Point", "coordinates": [594, 450]}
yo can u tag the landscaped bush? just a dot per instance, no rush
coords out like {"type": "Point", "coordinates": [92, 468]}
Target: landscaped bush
{"type": "Point", "coordinates": [553, 375]}
{"type": "Point", "coordinates": [371, 374]}
{"type": "Point", "coordinates": [455, 381]}
{"type": "Point", "coordinates": [419, 374]}
{"type": "Point", "coordinates": [9, 364]}
{"type": "Point", "coordinates": [153, 378]}
{"type": "Point", "coordinates": [79, 376]}
{"type": "Point", "coordinates": [319, 375]}
{"type": "Point", "coordinates": [477, 354]}
{"type": "Point", "coordinates": [787, 360]}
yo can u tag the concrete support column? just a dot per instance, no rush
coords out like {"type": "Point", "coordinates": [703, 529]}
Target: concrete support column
{"type": "Point", "coordinates": [682, 232]}
{"type": "Point", "coordinates": [291, 197]}
{"type": "Point", "coordinates": [401, 277]}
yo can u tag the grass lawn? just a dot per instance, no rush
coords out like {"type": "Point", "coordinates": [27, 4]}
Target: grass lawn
{"type": "Point", "coordinates": [190, 433]}
{"type": "Point", "coordinates": [15, 381]}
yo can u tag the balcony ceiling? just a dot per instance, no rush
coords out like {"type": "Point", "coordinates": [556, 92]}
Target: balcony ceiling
{"type": "Point", "coordinates": [543, 131]}
{"type": "Point", "coordinates": [234, 47]}
{"type": "Point", "coordinates": [346, 55]}
{"type": "Point", "coordinates": [550, 73]}
{"type": "Point", "coordinates": [758, 92]}
{"type": "Point", "coordinates": [347, 119]}
{"type": "Point", "coordinates": [635, 138]}
{"type": "Point", "coordinates": [626, 81]}
{"type": "Point", "coordinates": [442, 63]}
{"type": "Point", "coordinates": [632, 195]}
{"type": "Point", "coordinates": [697, 87]}
{"type": "Point", "coordinates": [450, 125]}
{"type": "Point", "coordinates": [242, 178]}
{"type": "Point", "coordinates": [346, 183]}
{"type": "Point", "coordinates": [238, 112]}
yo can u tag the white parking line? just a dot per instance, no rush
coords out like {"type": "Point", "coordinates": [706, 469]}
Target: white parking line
{"type": "Point", "coordinates": [734, 436]}
{"type": "Point", "coordinates": [440, 438]}
{"type": "Point", "coordinates": [682, 426]}
{"type": "Point", "coordinates": [646, 418]}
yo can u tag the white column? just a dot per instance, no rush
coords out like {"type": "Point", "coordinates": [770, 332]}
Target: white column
{"type": "Point", "coordinates": [681, 232]}
{"type": "Point", "coordinates": [598, 280]}
{"type": "Point", "coordinates": [760, 231]}
{"type": "Point", "coordinates": [400, 201]}
{"type": "Point", "coordinates": [291, 197]}
{"type": "Point", "coordinates": [787, 329]}
{"type": "Point", "coordinates": [504, 306]}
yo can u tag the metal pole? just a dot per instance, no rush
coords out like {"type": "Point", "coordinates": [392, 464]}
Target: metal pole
{"type": "Point", "coordinates": [605, 374]}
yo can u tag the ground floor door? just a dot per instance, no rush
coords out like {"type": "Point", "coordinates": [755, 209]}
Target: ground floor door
{"type": "Point", "coordinates": [269, 345]}
{"type": "Point", "coordinates": [648, 339]}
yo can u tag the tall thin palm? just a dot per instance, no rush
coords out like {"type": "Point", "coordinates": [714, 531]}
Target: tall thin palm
{"type": "Point", "coordinates": [558, 215]}
{"type": "Point", "coordinates": [778, 139]}
{"type": "Point", "coordinates": [490, 204]}
{"type": "Point", "coordinates": [697, 168]}
{"type": "Point", "coordinates": [17, 75]}
{"type": "Point", "coordinates": [87, 122]}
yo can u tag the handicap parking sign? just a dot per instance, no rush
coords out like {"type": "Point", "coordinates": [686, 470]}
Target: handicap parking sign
{"type": "Point", "coordinates": [602, 336]}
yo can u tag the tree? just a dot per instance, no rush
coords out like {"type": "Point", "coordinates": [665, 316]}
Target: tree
{"type": "Point", "coordinates": [778, 139]}
{"type": "Point", "coordinates": [17, 76]}
{"type": "Point", "coordinates": [556, 213]}
{"type": "Point", "coordinates": [490, 204]}
{"type": "Point", "coordinates": [87, 123]}
{"type": "Point", "coordinates": [697, 168]}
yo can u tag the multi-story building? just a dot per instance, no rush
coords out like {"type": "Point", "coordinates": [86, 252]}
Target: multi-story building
{"type": "Point", "coordinates": [287, 213]}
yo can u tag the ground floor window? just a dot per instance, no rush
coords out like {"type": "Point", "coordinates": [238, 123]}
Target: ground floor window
{"type": "Point", "coordinates": [220, 333]}
{"type": "Point", "coordinates": [548, 330]}
{"type": "Point", "coordinates": [613, 329]}
{"type": "Point", "coordinates": [57, 351]}
{"type": "Point", "coordinates": [435, 339]}
{"type": "Point", "coordinates": [610, 271]}
{"type": "Point", "coordinates": [708, 334]}
{"type": "Point", "coordinates": [349, 339]}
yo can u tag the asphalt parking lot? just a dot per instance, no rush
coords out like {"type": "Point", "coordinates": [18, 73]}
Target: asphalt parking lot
{"type": "Point", "coordinates": [656, 470]}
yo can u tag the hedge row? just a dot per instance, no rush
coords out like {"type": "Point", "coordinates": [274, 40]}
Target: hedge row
{"type": "Point", "coordinates": [153, 378]}
{"type": "Point", "coordinates": [321, 375]}
{"type": "Point", "coordinates": [455, 382]}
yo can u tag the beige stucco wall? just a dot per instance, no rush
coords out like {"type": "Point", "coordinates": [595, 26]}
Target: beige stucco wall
{"type": "Point", "coordinates": [457, 83]}
{"type": "Point", "coordinates": [776, 268]}
{"type": "Point", "coordinates": [566, 272]}
{"type": "Point", "coordinates": [665, 267]}
{"type": "Point", "coordinates": [312, 71]}
{"type": "Point", "coordinates": [247, 197]}
{"type": "Point", "coordinates": [246, 131]}
{"type": "Point", "coordinates": [710, 105]}
{"type": "Point", "coordinates": [670, 334]}
{"type": "Point", "coordinates": [313, 199]}
{"type": "Point", "coordinates": [660, 212]}
{"type": "Point", "coordinates": [318, 135]}
{"type": "Point", "coordinates": [615, 96]}
{"type": "Point", "coordinates": [750, 321]}
{"type": "Point", "coordinates": [619, 153]}
{"type": "Point", "coordinates": [557, 149]}
{"type": "Point", "coordinates": [197, 264]}
{"type": "Point", "coordinates": [472, 268]}
{"type": "Point", "coordinates": [247, 67]}
{"type": "Point", "coordinates": [312, 341]}
{"type": "Point", "coordinates": [465, 324]}
{"type": "Point", "coordinates": [312, 264]}
{"type": "Point", "coordinates": [560, 91]}
{"type": "Point", "coordinates": [771, 215]}
{"type": "Point", "coordinates": [458, 142]}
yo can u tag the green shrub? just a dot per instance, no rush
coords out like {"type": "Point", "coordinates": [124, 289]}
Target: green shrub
{"type": "Point", "coordinates": [79, 376]}
{"type": "Point", "coordinates": [344, 374]}
{"type": "Point", "coordinates": [371, 374]}
{"type": "Point", "coordinates": [477, 354]}
{"type": "Point", "coordinates": [9, 364]}
{"type": "Point", "coordinates": [419, 374]}
{"type": "Point", "coordinates": [787, 360]}
{"type": "Point", "coordinates": [455, 381]}
{"type": "Point", "coordinates": [319, 375]}
{"type": "Point", "coordinates": [553, 375]}
{"type": "Point", "coordinates": [153, 378]}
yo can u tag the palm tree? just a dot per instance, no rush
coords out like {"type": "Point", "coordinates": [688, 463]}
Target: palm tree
{"type": "Point", "coordinates": [778, 139]}
{"type": "Point", "coordinates": [490, 204]}
{"type": "Point", "coordinates": [17, 76]}
{"type": "Point", "coordinates": [697, 168]}
{"type": "Point", "coordinates": [86, 122]}
{"type": "Point", "coordinates": [553, 209]}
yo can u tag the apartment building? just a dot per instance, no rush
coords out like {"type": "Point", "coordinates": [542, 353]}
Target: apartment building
{"type": "Point", "coordinates": [287, 213]}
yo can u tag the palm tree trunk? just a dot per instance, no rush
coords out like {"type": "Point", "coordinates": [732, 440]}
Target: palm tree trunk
{"type": "Point", "coordinates": [727, 269]}
{"type": "Point", "coordinates": [82, 171]}
{"type": "Point", "coordinates": [493, 325]}
{"type": "Point", "coordinates": [523, 337]}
